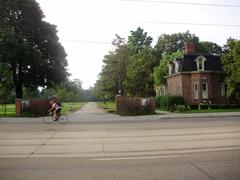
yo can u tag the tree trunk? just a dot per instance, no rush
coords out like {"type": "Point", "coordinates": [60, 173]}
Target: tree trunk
{"type": "Point", "coordinates": [17, 80]}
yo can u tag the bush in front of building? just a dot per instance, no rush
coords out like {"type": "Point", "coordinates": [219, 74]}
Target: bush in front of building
{"type": "Point", "coordinates": [169, 102]}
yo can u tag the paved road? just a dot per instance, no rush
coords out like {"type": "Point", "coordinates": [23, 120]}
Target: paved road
{"type": "Point", "coordinates": [97, 145]}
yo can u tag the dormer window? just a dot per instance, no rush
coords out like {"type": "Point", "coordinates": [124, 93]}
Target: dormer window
{"type": "Point", "coordinates": [171, 68]}
{"type": "Point", "coordinates": [200, 63]}
{"type": "Point", "coordinates": [176, 65]}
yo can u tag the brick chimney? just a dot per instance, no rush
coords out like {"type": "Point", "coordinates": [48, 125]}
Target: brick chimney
{"type": "Point", "coordinates": [189, 48]}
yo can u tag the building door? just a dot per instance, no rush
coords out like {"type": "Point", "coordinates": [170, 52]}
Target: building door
{"type": "Point", "coordinates": [204, 90]}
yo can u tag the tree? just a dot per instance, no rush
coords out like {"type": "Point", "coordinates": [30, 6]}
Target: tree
{"type": "Point", "coordinates": [162, 70]}
{"type": "Point", "coordinates": [68, 91]}
{"type": "Point", "coordinates": [207, 47]}
{"type": "Point", "coordinates": [6, 86]}
{"type": "Point", "coordinates": [173, 43]}
{"type": "Point", "coordinates": [140, 64]}
{"type": "Point", "coordinates": [29, 46]}
{"type": "Point", "coordinates": [231, 64]}
{"type": "Point", "coordinates": [137, 41]}
{"type": "Point", "coordinates": [140, 80]}
{"type": "Point", "coordinates": [113, 72]}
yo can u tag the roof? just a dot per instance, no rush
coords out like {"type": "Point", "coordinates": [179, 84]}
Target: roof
{"type": "Point", "coordinates": [188, 63]}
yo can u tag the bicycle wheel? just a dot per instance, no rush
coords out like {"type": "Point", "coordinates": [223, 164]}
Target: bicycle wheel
{"type": "Point", "coordinates": [48, 119]}
{"type": "Point", "coordinates": [62, 119]}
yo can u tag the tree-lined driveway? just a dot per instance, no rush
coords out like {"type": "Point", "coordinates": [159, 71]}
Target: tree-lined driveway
{"type": "Point", "coordinates": [141, 148]}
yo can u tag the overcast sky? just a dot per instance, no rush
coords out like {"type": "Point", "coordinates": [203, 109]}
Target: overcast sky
{"type": "Point", "coordinates": [87, 27]}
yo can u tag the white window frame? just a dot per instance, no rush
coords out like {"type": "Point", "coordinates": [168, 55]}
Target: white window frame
{"type": "Point", "coordinates": [200, 59]}
{"type": "Point", "coordinates": [204, 92]}
{"type": "Point", "coordinates": [223, 90]}
{"type": "Point", "coordinates": [195, 91]}
{"type": "Point", "coordinates": [169, 69]}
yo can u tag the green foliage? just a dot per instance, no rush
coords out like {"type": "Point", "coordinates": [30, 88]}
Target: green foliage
{"type": "Point", "coordinates": [231, 64]}
{"type": "Point", "coordinates": [69, 91]}
{"type": "Point", "coordinates": [207, 47]}
{"type": "Point", "coordinates": [140, 79]}
{"type": "Point", "coordinates": [162, 70]}
{"type": "Point", "coordinates": [109, 106]}
{"type": "Point", "coordinates": [140, 65]}
{"type": "Point", "coordinates": [173, 43]}
{"type": "Point", "coordinates": [7, 110]}
{"type": "Point", "coordinates": [29, 46]}
{"type": "Point", "coordinates": [180, 108]}
{"type": "Point", "coordinates": [138, 40]}
{"type": "Point", "coordinates": [69, 107]}
{"type": "Point", "coordinates": [164, 102]}
{"type": "Point", "coordinates": [113, 71]}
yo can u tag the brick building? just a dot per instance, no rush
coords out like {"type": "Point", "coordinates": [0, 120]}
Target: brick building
{"type": "Point", "coordinates": [197, 77]}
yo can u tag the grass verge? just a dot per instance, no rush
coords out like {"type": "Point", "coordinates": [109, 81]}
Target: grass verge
{"type": "Point", "coordinates": [108, 106]}
{"type": "Point", "coordinates": [8, 110]}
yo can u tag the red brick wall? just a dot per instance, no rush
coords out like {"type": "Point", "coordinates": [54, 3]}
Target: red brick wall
{"type": "Point", "coordinates": [18, 105]}
{"type": "Point", "coordinates": [39, 106]}
{"type": "Point", "coordinates": [173, 83]}
{"type": "Point", "coordinates": [36, 106]}
{"type": "Point", "coordinates": [187, 88]}
{"type": "Point", "coordinates": [186, 81]}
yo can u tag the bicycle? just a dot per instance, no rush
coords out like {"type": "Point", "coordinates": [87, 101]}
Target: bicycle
{"type": "Point", "coordinates": [62, 119]}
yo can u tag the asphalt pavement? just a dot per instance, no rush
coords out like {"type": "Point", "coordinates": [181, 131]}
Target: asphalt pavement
{"type": "Point", "coordinates": [98, 145]}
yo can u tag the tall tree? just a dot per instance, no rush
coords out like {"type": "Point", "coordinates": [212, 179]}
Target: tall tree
{"type": "Point", "coordinates": [138, 40]}
{"type": "Point", "coordinates": [207, 47]}
{"type": "Point", "coordinates": [30, 46]}
{"type": "Point", "coordinates": [140, 64]}
{"type": "Point", "coordinates": [140, 79]}
{"type": "Point", "coordinates": [173, 42]}
{"type": "Point", "coordinates": [113, 73]}
{"type": "Point", "coordinates": [231, 64]}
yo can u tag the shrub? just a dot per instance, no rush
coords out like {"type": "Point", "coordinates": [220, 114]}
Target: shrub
{"type": "Point", "coordinates": [176, 100]}
{"type": "Point", "coordinates": [180, 108]}
{"type": "Point", "coordinates": [162, 101]}
{"type": "Point", "coordinates": [168, 102]}
{"type": "Point", "coordinates": [194, 106]}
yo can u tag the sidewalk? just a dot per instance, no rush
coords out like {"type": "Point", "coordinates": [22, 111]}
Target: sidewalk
{"type": "Point", "coordinates": [172, 115]}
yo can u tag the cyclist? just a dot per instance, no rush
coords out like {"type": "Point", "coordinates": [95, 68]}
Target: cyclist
{"type": "Point", "coordinates": [56, 109]}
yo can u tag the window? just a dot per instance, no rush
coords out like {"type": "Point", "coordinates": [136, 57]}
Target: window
{"type": "Point", "coordinates": [169, 69]}
{"type": "Point", "coordinates": [204, 90]}
{"type": "Point", "coordinates": [177, 64]}
{"type": "Point", "coordinates": [200, 63]}
{"type": "Point", "coordinates": [195, 91]}
{"type": "Point", "coordinates": [223, 89]}
{"type": "Point", "coordinates": [173, 68]}
{"type": "Point", "coordinates": [178, 90]}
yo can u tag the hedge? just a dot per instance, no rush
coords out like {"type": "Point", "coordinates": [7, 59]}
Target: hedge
{"type": "Point", "coordinates": [167, 101]}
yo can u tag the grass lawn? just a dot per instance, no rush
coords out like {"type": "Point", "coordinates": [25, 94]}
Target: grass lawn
{"type": "Point", "coordinates": [8, 110]}
{"type": "Point", "coordinates": [210, 110]}
{"type": "Point", "coordinates": [108, 106]}
{"type": "Point", "coordinates": [204, 111]}
{"type": "Point", "coordinates": [69, 107]}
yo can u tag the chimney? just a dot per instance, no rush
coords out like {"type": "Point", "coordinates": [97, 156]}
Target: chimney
{"type": "Point", "coordinates": [189, 48]}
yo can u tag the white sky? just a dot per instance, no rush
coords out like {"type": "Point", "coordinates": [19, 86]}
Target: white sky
{"type": "Point", "coordinates": [87, 27]}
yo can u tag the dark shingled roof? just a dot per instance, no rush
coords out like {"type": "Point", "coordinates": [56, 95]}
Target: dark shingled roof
{"type": "Point", "coordinates": [188, 63]}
